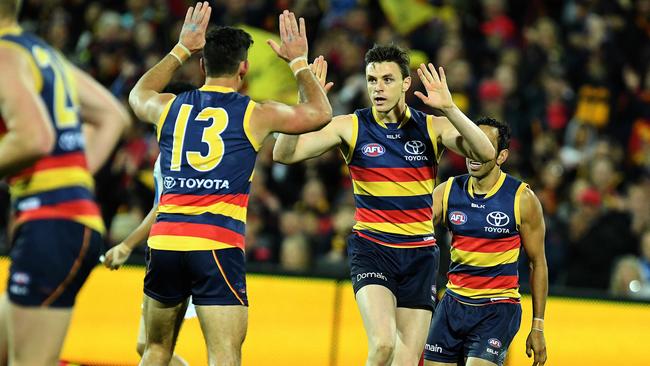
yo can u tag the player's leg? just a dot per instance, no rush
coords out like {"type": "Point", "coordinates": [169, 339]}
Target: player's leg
{"type": "Point", "coordinates": [141, 343]}
{"type": "Point", "coordinates": [473, 361]}
{"type": "Point", "coordinates": [162, 324]}
{"type": "Point", "coordinates": [219, 293]}
{"type": "Point", "coordinates": [4, 337]}
{"type": "Point", "coordinates": [412, 330]}
{"type": "Point", "coordinates": [377, 306]}
{"type": "Point", "coordinates": [51, 260]}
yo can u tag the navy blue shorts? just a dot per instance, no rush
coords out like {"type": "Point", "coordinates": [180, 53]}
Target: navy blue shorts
{"type": "Point", "coordinates": [483, 332]}
{"type": "Point", "coordinates": [212, 277]}
{"type": "Point", "coordinates": [409, 273]}
{"type": "Point", "coordinates": [50, 261]}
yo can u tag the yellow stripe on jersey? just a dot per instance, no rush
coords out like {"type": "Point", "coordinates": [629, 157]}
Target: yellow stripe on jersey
{"type": "Point", "coordinates": [520, 190]}
{"type": "Point", "coordinates": [163, 117]}
{"type": "Point", "coordinates": [184, 243]}
{"type": "Point", "coordinates": [433, 137]}
{"type": "Point", "coordinates": [445, 199]}
{"type": "Point", "coordinates": [52, 179]}
{"type": "Point", "coordinates": [492, 191]}
{"type": "Point", "coordinates": [353, 138]}
{"type": "Point", "coordinates": [219, 208]}
{"type": "Point", "coordinates": [484, 259]}
{"type": "Point", "coordinates": [217, 88]}
{"type": "Point", "coordinates": [483, 293]}
{"type": "Point", "coordinates": [397, 189]}
{"type": "Point", "coordinates": [247, 126]}
{"type": "Point", "coordinates": [414, 228]}
{"type": "Point", "coordinates": [94, 222]}
{"type": "Point", "coordinates": [36, 72]}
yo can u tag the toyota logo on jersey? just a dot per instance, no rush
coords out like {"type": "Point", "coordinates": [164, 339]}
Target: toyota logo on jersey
{"type": "Point", "coordinates": [457, 218]}
{"type": "Point", "coordinates": [415, 147]}
{"type": "Point", "coordinates": [373, 150]}
{"type": "Point", "coordinates": [498, 219]}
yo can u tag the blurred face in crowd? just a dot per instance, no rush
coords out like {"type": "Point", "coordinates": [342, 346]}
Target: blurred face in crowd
{"type": "Point", "coordinates": [480, 170]}
{"type": "Point", "coordinates": [385, 85]}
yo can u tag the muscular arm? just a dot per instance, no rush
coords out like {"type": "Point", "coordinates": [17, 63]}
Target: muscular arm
{"type": "Point", "coordinates": [437, 203]}
{"type": "Point", "coordinates": [291, 149]}
{"type": "Point", "coordinates": [104, 117]}
{"type": "Point", "coordinates": [460, 134]}
{"type": "Point", "coordinates": [532, 233]}
{"type": "Point", "coordinates": [146, 98]}
{"type": "Point", "coordinates": [30, 134]}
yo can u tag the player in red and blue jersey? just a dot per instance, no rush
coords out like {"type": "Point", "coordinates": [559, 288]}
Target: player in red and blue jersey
{"type": "Point", "coordinates": [392, 152]}
{"type": "Point", "coordinates": [491, 215]}
{"type": "Point", "coordinates": [209, 140]}
{"type": "Point", "coordinates": [49, 161]}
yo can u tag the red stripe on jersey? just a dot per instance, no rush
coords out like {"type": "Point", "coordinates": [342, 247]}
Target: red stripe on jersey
{"type": "Point", "coordinates": [203, 200]}
{"type": "Point", "coordinates": [211, 232]}
{"type": "Point", "coordinates": [394, 216]}
{"type": "Point", "coordinates": [68, 209]}
{"type": "Point", "coordinates": [391, 174]}
{"type": "Point", "coordinates": [483, 245]}
{"type": "Point", "coordinates": [479, 282]}
{"type": "Point", "coordinates": [423, 243]}
{"type": "Point", "coordinates": [74, 159]}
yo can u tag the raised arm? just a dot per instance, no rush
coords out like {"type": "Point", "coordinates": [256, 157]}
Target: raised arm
{"type": "Point", "coordinates": [104, 117]}
{"type": "Point", "coordinates": [146, 98]}
{"type": "Point", "coordinates": [30, 134]}
{"type": "Point", "coordinates": [314, 110]}
{"type": "Point", "coordinates": [532, 230]}
{"type": "Point", "coordinates": [456, 131]}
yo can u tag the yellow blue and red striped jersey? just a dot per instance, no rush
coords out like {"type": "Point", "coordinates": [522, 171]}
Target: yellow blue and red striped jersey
{"type": "Point", "coordinates": [393, 169]}
{"type": "Point", "coordinates": [485, 242]}
{"type": "Point", "coordinates": [207, 158]}
{"type": "Point", "coordinates": [58, 186]}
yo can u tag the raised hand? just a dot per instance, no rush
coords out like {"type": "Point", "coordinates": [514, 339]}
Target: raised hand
{"type": "Point", "coordinates": [319, 68]}
{"type": "Point", "coordinates": [536, 346]}
{"type": "Point", "coordinates": [195, 26]}
{"type": "Point", "coordinates": [438, 95]}
{"type": "Point", "coordinates": [292, 36]}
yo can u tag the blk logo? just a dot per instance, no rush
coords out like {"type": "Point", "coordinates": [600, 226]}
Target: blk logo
{"type": "Point", "coordinates": [415, 147]}
{"type": "Point", "coordinates": [498, 219]}
{"type": "Point", "coordinates": [373, 150]}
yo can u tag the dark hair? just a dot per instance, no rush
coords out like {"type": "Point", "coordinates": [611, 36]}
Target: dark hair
{"type": "Point", "coordinates": [390, 53]}
{"type": "Point", "coordinates": [10, 8]}
{"type": "Point", "coordinates": [504, 131]}
{"type": "Point", "coordinates": [178, 87]}
{"type": "Point", "coordinates": [225, 48]}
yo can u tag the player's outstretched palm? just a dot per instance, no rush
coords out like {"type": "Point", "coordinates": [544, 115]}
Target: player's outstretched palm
{"type": "Point", "coordinates": [438, 95]}
{"type": "Point", "coordinates": [195, 26]}
{"type": "Point", "coordinates": [293, 38]}
{"type": "Point", "coordinates": [319, 68]}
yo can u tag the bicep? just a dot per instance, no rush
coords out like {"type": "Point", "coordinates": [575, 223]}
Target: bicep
{"type": "Point", "coordinates": [532, 228]}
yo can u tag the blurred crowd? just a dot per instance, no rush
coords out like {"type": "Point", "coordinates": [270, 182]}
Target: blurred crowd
{"type": "Point", "coordinates": [571, 77]}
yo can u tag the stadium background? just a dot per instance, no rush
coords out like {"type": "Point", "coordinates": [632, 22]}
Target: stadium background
{"type": "Point", "coordinates": [571, 77]}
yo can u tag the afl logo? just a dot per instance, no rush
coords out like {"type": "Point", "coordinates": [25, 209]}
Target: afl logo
{"type": "Point", "coordinates": [497, 218]}
{"type": "Point", "coordinates": [457, 218]}
{"type": "Point", "coordinates": [415, 147]}
{"type": "Point", "coordinates": [169, 182]}
{"type": "Point", "coordinates": [373, 150]}
{"type": "Point", "coordinates": [494, 343]}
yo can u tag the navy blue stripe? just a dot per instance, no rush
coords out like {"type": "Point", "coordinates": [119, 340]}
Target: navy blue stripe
{"type": "Point", "coordinates": [394, 202]}
{"type": "Point", "coordinates": [509, 269]}
{"type": "Point", "coordinates": [206, 219]}
{"type": "Point", "coordinates": [396, 238]}
{"type": "Point", "coordinates": [57, 196]}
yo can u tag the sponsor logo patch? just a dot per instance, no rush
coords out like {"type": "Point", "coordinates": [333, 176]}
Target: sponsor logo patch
{"type": "Point", "coordinates": [373, 150]}
{"type": "Point", "coordinates": [457, 218]}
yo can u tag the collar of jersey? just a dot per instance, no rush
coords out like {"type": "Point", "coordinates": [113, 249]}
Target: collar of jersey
{"type": "Point", "coordinates": [217, 88]}
{"type": "Point", "coordinates": [406, 118]}
{"type": "Point", "coordinates": [492, 191]}
{"type": "Point", "coordinates": [14, 29]}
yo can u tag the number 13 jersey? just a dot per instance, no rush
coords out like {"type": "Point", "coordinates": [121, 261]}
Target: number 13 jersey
{"type": "Point", "coordinates": [207, 156]}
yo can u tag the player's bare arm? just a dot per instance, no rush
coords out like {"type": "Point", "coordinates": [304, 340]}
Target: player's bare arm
{"type": "Point", "coordinates": [119, 254]}
{"type": "Point", "coordinates": [532, 233]}
{"type": "Point", "coordinates": [314, 111]}
{"type": "Point", "coordinates": [438, 212]}
{"type": "Point", "coordinates": [30, 134]}
{"type": "Point", "coordinates": [456, 131]}
{"type": "Point", "coordinates": [146, 98]}
{"type": "Point", "coordinates": [291, 149]}
{"type": "Point", "coordinates": [104, 117]}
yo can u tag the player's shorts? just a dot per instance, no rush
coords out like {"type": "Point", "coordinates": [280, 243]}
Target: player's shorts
{"type": "Point", "coordinates": [50, 261]}
{"type": "Point", "coordinates": [211, 277]}
{"type": "Point", "coordinates": [484, 332]}
{"type": "Point", "coordinates": [409, 273]}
